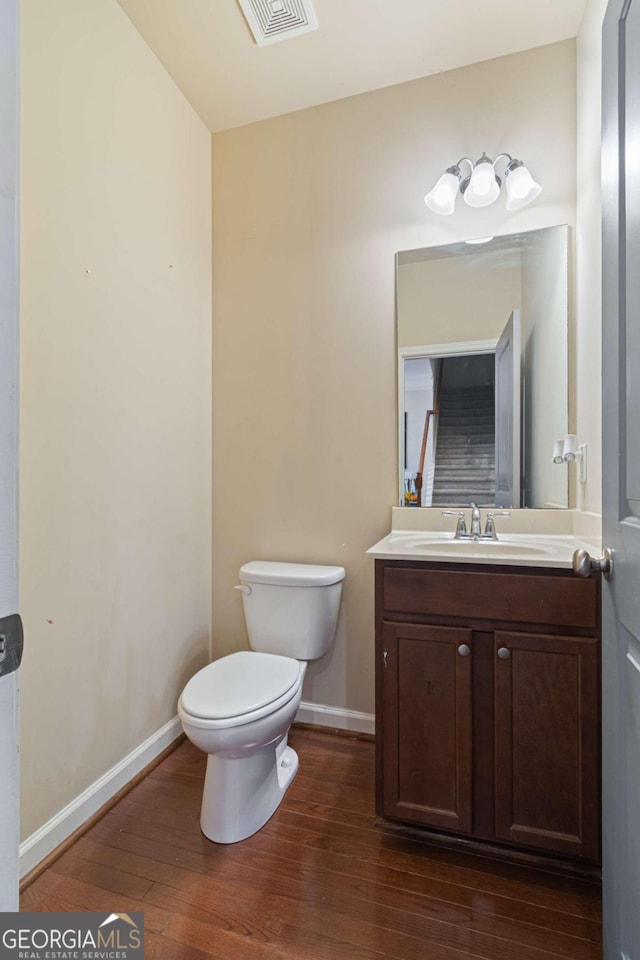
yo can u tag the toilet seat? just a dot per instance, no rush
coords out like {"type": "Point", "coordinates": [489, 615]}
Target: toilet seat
{"type": "Point", "coordinates": [239, 688]}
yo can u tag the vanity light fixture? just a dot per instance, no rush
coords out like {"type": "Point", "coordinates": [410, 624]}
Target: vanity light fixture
{"type": "Point", "coordinates": [568, 450]}
{"type": "Point", "coordinates": [482, 186]}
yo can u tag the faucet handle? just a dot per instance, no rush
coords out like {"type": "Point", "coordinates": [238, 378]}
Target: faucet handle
{"type": "Point", "coordinates": [490, 528]}
{"type": "Point", "coordinates": [461, 526]}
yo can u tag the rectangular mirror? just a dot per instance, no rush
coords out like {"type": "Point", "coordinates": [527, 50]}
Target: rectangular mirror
{"type": "Point", "coordinates": [482, 335]}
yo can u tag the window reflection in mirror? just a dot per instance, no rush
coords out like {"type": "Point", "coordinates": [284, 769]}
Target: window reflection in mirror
{"type": "Point", "coordinates": [482, 335]}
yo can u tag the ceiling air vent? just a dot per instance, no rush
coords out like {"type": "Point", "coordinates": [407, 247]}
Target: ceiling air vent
{"type": "Point", "coordinates": [272, 20]}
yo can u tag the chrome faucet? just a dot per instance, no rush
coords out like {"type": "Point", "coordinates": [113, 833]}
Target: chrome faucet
{"type": "Point", "coordinates": [476, 524]}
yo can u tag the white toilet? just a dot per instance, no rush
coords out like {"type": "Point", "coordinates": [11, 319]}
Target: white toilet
{"type": "Point", "coordinates": [239, 709]}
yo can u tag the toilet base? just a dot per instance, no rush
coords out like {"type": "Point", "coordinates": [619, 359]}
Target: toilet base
{"type": "Point", "coordinates": [242, 793]}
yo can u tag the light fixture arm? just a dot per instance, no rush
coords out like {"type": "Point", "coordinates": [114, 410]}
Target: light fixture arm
{"type": "Point", "coordinates": [512, 164]}
{"type": "Point", "coordinates": [455, 169]}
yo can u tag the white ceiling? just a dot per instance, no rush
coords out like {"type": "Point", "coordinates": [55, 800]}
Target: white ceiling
{"type": "Point", "coordinates": [360, 45]}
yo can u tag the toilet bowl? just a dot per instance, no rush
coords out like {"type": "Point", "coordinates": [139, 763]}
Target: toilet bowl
{"type": "Point", "coordinates": [239, 709]}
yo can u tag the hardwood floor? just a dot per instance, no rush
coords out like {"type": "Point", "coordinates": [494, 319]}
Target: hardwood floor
{"type": "Point", "coordinates": [318, 882]}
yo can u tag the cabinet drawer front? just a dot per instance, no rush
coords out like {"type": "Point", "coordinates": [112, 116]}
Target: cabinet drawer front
{"type": "Point", "coordinates": [476, 595]}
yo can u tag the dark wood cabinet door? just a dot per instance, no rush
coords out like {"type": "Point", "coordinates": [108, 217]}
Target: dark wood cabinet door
{"type": "Point", "coordinates": [547, 742]}
{"type": "Point", "coordinates": [427, 725]}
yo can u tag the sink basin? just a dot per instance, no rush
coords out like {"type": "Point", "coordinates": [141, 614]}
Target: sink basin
{"type": "Point", "coordinates": [512, 548]}
{"type": "Point", "coordinates": [484, 548]}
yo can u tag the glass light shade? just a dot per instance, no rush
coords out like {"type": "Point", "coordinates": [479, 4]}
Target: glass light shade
{"type": "Point", "coordinates": [521, 188]}
{"type": "Point", "coordinates": [442, 199]}
{"type": "Point", "coordinates": [483, 187]}
{"type": "Point", "coordinates": [570, 447]}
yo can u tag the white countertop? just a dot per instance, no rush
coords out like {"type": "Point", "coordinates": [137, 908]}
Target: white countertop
{"type": "Point", "coordinates": [513, 549]}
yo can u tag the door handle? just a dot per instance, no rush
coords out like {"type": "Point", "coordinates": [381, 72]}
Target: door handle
{"type": "Point", "coordinates": [11, 644]}
{"type": "Point", "coordinates": [584, 564]}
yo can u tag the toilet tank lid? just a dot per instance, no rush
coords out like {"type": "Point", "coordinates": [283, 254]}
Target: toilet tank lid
{"type": "Point", "coordinates": [291, 574]}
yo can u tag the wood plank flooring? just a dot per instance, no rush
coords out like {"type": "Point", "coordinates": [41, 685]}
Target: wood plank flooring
{"type": "Point", "coordinates": [318, 882]}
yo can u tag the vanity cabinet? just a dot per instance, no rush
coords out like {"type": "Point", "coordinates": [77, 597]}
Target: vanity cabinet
{"type": "Point", "coordinates": [488, 697]}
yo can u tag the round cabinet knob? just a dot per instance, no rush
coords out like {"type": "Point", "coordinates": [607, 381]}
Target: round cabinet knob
{"type": "Point", "coordinates": [503, 653]}
{"type": "Point", "coordinates": [464, 650]}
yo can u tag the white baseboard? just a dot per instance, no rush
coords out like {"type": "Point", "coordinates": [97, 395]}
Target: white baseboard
{"type": "Point", "coordinates": [336, 717]}
{"type": "Point", "coordinates": [40, 844]}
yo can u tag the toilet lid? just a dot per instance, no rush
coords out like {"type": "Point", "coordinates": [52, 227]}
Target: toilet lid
{"type": "Point", "coordinates": [239, 683]}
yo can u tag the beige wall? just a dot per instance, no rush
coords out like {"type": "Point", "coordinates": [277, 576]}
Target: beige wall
{"type": "Point", "coordinates": [309, 211]}
{"type": "Point", "coordinates": [115, 422]}
{"type": "Point", "coordinates": [456, 298]}
{"type": "Point", "coordinates": [588, 351]}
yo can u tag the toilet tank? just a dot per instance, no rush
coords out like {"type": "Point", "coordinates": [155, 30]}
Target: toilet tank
{"type": "Point", "coordinates": [291, 609]}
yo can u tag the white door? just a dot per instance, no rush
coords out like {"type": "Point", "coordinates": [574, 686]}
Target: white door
{"type": "Point", "coordinates": [508, 394]}
{"type": "Point", "coordinates": [621, 479]}
{"type": "Point", "coordinates": [8, 450]}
